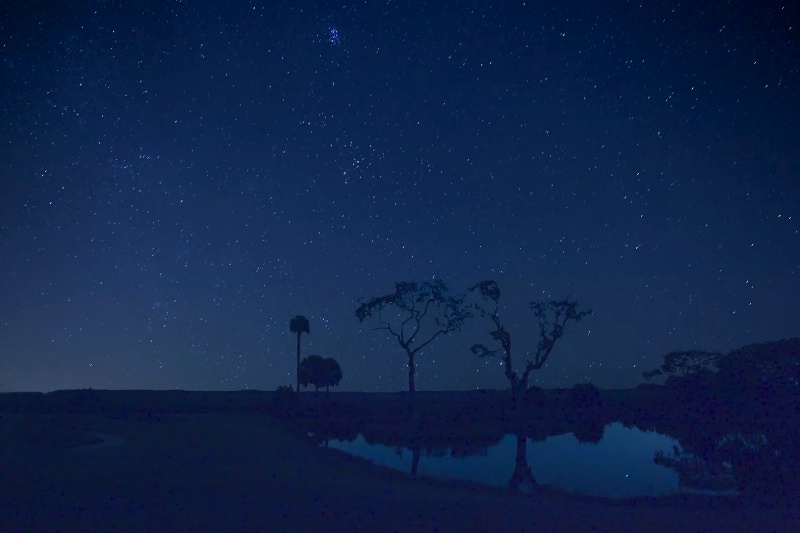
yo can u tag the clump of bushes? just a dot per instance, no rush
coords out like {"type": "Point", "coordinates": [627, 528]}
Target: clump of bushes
{"type": "Point", "coordinates": [536, 397]}
{"type": "Point", "coordinates": [585, 395]}
{"type": "Point", "coordinates": [284, 397]}
{"type": "Point", "coordinates": [589, 429]}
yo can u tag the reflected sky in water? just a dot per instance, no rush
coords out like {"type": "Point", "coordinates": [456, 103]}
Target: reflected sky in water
{"type": "Point", "coordinates": [620, 465]}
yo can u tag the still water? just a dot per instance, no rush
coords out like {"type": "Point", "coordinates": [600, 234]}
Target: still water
{"type": "Point", "coordinates": [620, 465]}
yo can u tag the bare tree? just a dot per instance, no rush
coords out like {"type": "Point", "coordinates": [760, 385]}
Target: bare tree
{"type": "Point", "coordinates": [415, 314]}
{"type": "Point", "coordinates": [552, 317]}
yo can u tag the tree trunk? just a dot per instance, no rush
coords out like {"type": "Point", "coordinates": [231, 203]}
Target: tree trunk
{"type": "Point", "coordinates": [298, 360]}
{"type": "Point", "coordinates": [522, 477]}
{"type": "Point", "coordinates": [516, 394]}
{"type": "Point", "coordinates": [414, 462]}
{"type": "Point", "coordinates": [522, 384]}
{"type": "Point", "coordinates": [411, 369]}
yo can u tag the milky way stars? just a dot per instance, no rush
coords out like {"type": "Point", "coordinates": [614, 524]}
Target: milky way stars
{"type": "Point", "coordinates": [179, 179]}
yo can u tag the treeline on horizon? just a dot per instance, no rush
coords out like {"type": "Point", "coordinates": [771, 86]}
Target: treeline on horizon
{"type": "Point", "coordinates": [762, 369]}
{"type": "Point", "coordinates": [416, 314]}
{"type": "Point", "coordinates": [766, 367]}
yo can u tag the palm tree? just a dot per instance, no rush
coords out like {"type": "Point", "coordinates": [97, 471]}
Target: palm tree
{"type": "Point", "coordinates": [298, 325]}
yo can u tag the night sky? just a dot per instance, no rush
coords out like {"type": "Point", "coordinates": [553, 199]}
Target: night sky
{"type": "Point", "coordinates": [178, 179]}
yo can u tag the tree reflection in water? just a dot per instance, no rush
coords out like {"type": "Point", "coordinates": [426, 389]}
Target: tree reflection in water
{"type": "Point", "coordinates": [522, 477]}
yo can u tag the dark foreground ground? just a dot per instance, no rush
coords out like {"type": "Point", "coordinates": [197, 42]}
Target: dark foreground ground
{"type": "Point", "coordinates": [229, 471]}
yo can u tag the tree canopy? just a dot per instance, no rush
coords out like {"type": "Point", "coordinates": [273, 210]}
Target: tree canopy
{"type": "Point", "coordinates": [299, 324]}
{"type": "Point", "coordinates": [771, 365]}
{"type": "Point", "coordinates": [685, 363]}
{"type": "Point", "coordinates": [320, 372]}
{"type": "Point", "coordinates": [415, 314]}
{"type": "Point", "coordinates": [552, 317]}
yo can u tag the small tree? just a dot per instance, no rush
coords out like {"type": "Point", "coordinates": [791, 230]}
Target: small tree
{"type": "Point", "coordinates": [320, 372]}
{"type": "Point", "coordinates": [332, 373]}
{"type": "Point", "coordinates": [770, 366]}
{"type": "Point", "coordinates": [311, 371]}
{"type": "Point", "coordinates": [299, 325]}
{"type": "Point", "coordinates": [422, 312]}
{"type": "Point", "coordinates": [685, 363]}
{"type": "Point", "coordinates": [652, 374]}
{"type": "Point", "coordinates": [552, 317]}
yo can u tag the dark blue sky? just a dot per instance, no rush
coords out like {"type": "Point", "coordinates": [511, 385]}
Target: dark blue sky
{"type": "Point", "coordinates": [179, 179]}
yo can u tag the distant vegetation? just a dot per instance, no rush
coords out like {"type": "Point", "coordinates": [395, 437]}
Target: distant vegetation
{"type": "Point", "coordinates": [320, 372]}
{"type": "Point", "coordinates": [685, 363]}
{"type": "Point", "coordinates": [585, 396]}
{"type": "Point", "coordinates": [766, 370]}
{"type": "Point", "coordinates": [737, 415]}
{"type": "Point", "coordinates": [284, 397]}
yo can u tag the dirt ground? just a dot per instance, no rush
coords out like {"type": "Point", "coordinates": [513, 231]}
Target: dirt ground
{"type": "Point", "coordinates": [232, 472]}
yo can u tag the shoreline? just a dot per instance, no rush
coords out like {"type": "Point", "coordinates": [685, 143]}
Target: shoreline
{"type": "Point", "coordinates": [246, 471]}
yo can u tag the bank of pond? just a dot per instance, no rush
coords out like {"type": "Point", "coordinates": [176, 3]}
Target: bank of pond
{"type": "Point", "coordinates": [617, 444]}
{"type": "Point", "coordinates": [649, 441]}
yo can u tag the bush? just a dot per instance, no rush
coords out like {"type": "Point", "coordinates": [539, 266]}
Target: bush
{"type": "Point", "coordinates": [284, 397]}
{"type": "Point", "coordinates": [589, 429]}
{"type": "Point", "coordinates": [536, 397]}
{"type": "Point", "coordinates": [585, 395]}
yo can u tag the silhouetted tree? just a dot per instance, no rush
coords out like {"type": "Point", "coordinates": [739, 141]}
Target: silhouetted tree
{"type": "Point", "coordinates": [770, 370]}
{"type": "Point", "coordinates": [490, 292]}
{"type": "Point", "coordinates": [585, 395]}
{"type": "Point", "coordinates": [552, 317]}
{"type": "Point", "coordinates": [652, 374]}
{"type": "Point", "coordinates": [312, 371]}
{"type": "Point", "coordinates": [685, 363]}
{"type": "Point", "coordinates": [299, 325]}
{"type": "Point", "coordinates": [415, 314]}
{"type": "Point", "coordinates": [332, 373]}
{"type": "Point", "coordinates": [320, 372]}
{"type": "Point", "coordinates": [771, 361]}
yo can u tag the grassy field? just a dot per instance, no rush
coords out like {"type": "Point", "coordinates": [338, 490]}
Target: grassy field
{"type": "Point", "coordinates": [149, 470]}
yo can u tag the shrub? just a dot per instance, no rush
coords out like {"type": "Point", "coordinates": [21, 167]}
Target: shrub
{"type": "Point", "coordinates": [536, 397]}
{"type": "Point", "coordinates": [284, 397]}
{"type": "Point", "coordinates": [585, 395]}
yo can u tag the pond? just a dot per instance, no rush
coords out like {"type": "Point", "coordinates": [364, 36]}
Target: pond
{"type": "Point", "coordinates": [618, 466]}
